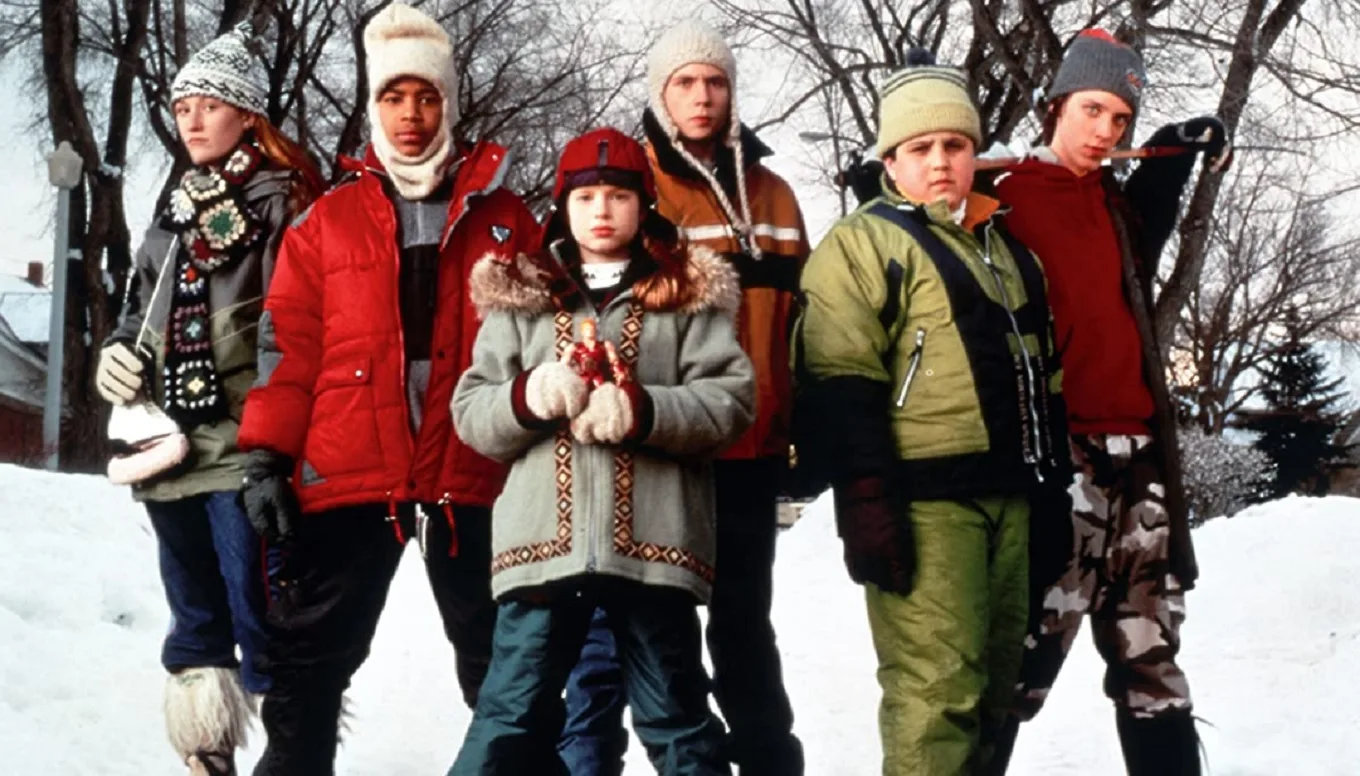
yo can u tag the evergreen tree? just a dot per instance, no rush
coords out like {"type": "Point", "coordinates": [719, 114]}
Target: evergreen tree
{"type": "Point", "coordinates": [1298, 429]}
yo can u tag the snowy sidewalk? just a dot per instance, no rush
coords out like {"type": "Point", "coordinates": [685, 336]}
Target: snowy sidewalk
{"type": "Point", "coordinates": [1272, 649]}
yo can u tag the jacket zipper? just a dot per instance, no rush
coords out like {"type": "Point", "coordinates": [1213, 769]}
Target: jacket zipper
{"type": "Point", "coordinates": [912, 367]}
{"type": "Point", "coordinates": [401, 334]}
{"type": "Point", "coordinates": [495, 183]}
{"type": "Point", "coordinates": [401, 350]}
{"type": "Point", "coordinates": [592, 560]}
{"type": "Point", "coordinates": [1034, 457]}
{"type": "Point", "coordinates": [592, 563]}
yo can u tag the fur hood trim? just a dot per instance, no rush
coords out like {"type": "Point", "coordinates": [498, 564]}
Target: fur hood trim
{"type": "Point", "coordinates": [537, 284]}
{"type": "Point", "coordinates": [498, 284]}
{"type": "Point", "coordinates": [713, 281]}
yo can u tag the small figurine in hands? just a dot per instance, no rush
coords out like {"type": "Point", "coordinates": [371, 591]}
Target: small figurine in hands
{"type": "Point", "coordinates": [590, 358]}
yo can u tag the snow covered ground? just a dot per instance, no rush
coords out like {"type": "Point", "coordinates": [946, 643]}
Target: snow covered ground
{"type": "Point", "coordinates": [1272, 648]}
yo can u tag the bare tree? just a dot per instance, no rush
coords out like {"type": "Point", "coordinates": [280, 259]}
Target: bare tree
{"type": "Point", "coordinates": [1250, 51]}
{"type": "Point", "coordinates": [99, 226]}
{"type": "Point", "coordinates": [1278, 73]}
{"type": "Point", "coordinates": [532, 74]}
{"type": "Point", "coordinates": [1271, 249]}
{"type": "Point", "coordinates": [843, 50]}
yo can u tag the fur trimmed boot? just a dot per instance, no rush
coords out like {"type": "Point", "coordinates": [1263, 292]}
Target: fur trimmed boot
{"type": "Point", "coordinates": [207, 713]}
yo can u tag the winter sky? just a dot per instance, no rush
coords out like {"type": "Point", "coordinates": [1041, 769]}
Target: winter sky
{"type": "Point", "coordinates": [28, 202]}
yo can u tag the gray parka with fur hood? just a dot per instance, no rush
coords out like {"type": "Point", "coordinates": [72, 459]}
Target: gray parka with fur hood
{"type": "Point", "coordinates": [642, 510]}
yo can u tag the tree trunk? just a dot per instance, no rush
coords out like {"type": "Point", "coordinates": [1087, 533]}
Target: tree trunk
{"type": "Point", "coordinates": [98, 224]}
{"type": "Point", "coordinates": [1253, 43]}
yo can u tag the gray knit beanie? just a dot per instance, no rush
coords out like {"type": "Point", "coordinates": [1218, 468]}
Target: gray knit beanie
{"type": "Point", "coordinates": [225, 69]}
{"type": "Point", "coordinates": [1096, 61]}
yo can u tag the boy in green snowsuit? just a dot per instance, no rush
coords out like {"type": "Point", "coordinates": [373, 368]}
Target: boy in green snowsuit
{"type": "Point", "coordinates": [929, 396]}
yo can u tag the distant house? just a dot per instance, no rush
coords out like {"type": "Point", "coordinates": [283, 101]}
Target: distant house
{"type": "Point", "coordinates": [1346, 482]}
{"type": "Point", "coordinates": [25, 307]}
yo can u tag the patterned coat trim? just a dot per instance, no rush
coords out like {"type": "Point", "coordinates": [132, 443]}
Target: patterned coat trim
{"type": "Point", "coordinates": [559, 547]}
{"type": "Point", "coordinates": [624, 542]}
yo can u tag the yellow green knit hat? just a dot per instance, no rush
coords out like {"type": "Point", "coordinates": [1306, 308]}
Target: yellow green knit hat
{"type": "Point", "coordinates": [925, 97]}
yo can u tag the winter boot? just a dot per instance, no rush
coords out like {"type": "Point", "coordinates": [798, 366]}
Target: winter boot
{"type": "Point", "coordinates": [1164, 745]}
{"type": "Point", "coordinates": [780, 757]}
{"type": "Point", "coordinates": [1002, 746]}
{"type": "Point", "coordinates": [210, 764]}
{"type": "Point", "coordinates": [207, 713]}
{"type": "Point", "coordinates": [305, 722]}
{"type": "Point", "coordinates": [342, 722]}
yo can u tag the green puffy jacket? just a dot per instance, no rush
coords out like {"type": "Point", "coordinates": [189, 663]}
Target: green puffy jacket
{"type": "Point", "coordinates": [936, 367]}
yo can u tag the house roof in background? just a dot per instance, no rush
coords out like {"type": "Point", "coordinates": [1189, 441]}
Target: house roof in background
{"type": "Point", "coordinates": [26, 308]}
{"type": "Point", "coordinates": [23, 374]}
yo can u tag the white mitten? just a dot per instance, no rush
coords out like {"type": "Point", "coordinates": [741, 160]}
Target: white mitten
{"type": "Point", "coordinates": [607, 418]}
{"type": "Point", "coordinates": [554, 390]}
{"type": "Point", "coordinates": [118, 377]}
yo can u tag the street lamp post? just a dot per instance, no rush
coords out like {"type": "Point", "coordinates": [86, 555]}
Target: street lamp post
{"type": "Point", "coordinates": [63, 171]}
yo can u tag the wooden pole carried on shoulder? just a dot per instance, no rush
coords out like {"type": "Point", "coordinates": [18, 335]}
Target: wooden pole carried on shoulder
{"type": "Point", "coordinates": [1150, 152]}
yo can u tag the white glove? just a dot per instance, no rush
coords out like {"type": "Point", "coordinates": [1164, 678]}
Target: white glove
{"type": "Point", "coordinates": [118, 377]}
{"type": "Point", "coordinates": [607, 419]}
{"type": "Point", "coordinates": [554, 390]}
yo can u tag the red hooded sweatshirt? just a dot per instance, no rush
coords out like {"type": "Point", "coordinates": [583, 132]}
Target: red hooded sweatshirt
{"type": "Point", "coordinates": [1065, 221]}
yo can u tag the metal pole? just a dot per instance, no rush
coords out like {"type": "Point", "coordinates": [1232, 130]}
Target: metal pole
{"type": "Point", "coordinates": [56, 338]}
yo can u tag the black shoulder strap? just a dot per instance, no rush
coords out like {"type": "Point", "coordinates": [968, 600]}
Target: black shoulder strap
{"type": "Point", "coordinates": [1032, 275]}
{"type": "Point", "coordinates": [939, 253]}
{"type": "Point", "coordinates": [914, 227]}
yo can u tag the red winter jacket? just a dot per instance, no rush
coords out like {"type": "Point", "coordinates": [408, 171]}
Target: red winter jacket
{"type": "Point", "coordinates": [1066, 221]}
{"type": "Point", "coordinates": [332, 391]}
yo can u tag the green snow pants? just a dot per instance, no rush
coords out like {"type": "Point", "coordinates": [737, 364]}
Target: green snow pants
{"type": "Point", "coordinates": [949, 651]}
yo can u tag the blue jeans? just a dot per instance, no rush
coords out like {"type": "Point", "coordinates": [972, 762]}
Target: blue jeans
{"type": "Point", "coordinates": [593, 740]}
{"type": "Point", "coordinates": [214, 582]}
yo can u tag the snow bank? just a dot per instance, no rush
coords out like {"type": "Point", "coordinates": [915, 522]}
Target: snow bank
{"type": "Point", "coordinates": [1272, 650]}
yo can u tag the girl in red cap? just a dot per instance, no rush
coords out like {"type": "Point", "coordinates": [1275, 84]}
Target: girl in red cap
{"type": "Point", "coordinates": [609, 504]}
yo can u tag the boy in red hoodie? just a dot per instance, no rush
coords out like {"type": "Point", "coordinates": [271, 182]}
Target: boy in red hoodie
{"type": "Point", "coordinates": [1100, 241]}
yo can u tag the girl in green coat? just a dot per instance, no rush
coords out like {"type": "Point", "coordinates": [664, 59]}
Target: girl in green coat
{"type": "Point", "coordinates": [186, 341]}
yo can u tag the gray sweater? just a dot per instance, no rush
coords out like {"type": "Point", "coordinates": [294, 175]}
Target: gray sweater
{"type": "Point", "coordinates": [641, 511]}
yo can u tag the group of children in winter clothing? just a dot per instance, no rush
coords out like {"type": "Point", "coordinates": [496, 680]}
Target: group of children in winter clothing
{"type": "Point", "coordinates": [585, 424]}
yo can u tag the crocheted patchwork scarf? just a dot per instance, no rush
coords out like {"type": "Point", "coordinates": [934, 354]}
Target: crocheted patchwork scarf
{"type": "Point", "coordinates": [216, 228]}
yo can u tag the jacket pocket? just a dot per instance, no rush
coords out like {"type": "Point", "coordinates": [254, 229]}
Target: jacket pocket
{"type": "Point", "coordinates": [343, 436]}
{"type": "Point", "coordinates": [913, 365]}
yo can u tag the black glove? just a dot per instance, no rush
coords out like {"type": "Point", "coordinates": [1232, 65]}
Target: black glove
{"type": "Point", "coordinates": [268, 498]}
{"type": "Point", "coordinates": [874, 525]}
{"type": "Point", "coordinates": [1052, 544]}
{"type": "Point", "coordinates": [1205, 133]}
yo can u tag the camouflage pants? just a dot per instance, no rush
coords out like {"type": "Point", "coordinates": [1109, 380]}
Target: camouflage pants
{"type": "Point", "coordinates": [1119, 576]}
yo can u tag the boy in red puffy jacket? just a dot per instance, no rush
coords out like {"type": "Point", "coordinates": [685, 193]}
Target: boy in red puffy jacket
{"type": "Point", "coordinates": [366, 330]}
